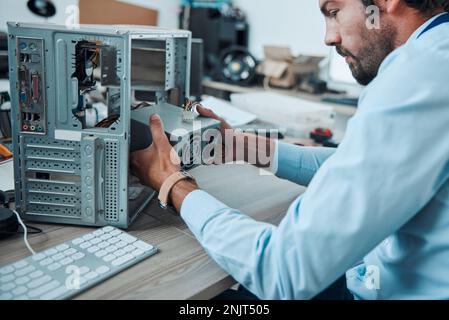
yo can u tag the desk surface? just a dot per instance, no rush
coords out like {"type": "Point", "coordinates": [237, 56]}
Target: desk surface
{"type": "Point", "coordinates": [225, 87]}
{"type": "Point", "coordinates": [181, 269]}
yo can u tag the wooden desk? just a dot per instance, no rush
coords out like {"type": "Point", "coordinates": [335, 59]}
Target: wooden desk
{"type": "Point", "coordinates": [181, 269]}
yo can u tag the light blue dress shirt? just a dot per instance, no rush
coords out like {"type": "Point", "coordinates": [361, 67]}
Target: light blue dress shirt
{"type": "Point", "coordinates": [376, 208]}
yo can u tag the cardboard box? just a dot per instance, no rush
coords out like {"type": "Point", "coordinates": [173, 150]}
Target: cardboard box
{"type": "Point", "coordinates": [115, 12]}
{"type": "Point", "coordinates": [283, 68]}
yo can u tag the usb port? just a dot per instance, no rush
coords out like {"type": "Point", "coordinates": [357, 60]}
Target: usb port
{"type": "Point", "coordinates": [24, 57]}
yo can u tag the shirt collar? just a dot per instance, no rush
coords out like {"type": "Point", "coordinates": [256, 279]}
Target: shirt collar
{"type": "Point", "coordinates": [418, 31]}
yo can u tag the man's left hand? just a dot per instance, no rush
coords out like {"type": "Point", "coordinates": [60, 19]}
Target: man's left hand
{"type": "Point", "coordinates": [156, 163]}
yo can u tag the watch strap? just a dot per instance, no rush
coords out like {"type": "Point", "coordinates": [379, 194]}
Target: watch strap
{"type": "Point", "coordinates": [168, 184]}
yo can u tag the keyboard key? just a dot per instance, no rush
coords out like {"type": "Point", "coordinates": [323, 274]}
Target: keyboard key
{"type": "Point", "coordinates": [119, 252]}
{"type": "Point", "coordinates": [95, 241]}
{"type": "Point", "coordinates": [66, 261]}
{"type": "Point", "coordinates": [8, 287]}
{"type": "Point", "coordinates": [62, 247]}
{"type": "Point", "coordinates": [54, 266]}
{"type": "Point", "coordinates": [38, 256]}
{"type": "Point", "coordinates": [6, 278]}
{"type": "Point", "coordinates": [70, 251]}
{"type": "Point", "coordinates": [6, 270]}
{"type": "Point", "coordinates": [38, 282]}
{"type": "Point", "coordinates": [143, 246]}
{"type": "Point", "coordinates": [101, 253]}
{"type": "Point", "coordinates": [20, 264]}
{"type": "Point", "coordinates": [122, 260]}
{"type": "Point", "coordinates": [53, 294]}
{"type": "Point", "coordinates": [46, 262]}
{"type": "Point", "coordinates": [51, 252]}
{"type": "Point", "coordinates": [78, 255]}
{"type": "Point", "coordinates": [137, 253]}
{"type": "Point", "coordinates": [109, 257]}
{"type": "Point", "coordinates": [98, 232]}
{"type": "Point", "coordinates": [121, 244]}
{"type": "Point", "coordinates": [88, 237]}
{"type": "Point", "coordinates": [111, 248]}
{"type": "Point", "coordinates": [93, 249]}
{"type": "Point", "coordinates": [129, 248]}
{"type": "Point", "coordinates": [103, 245]}
{"type": "Point", "coordinates": [113, 240]}
{"type": "Point", "coordinates": [58, 256]}
{"type": "Point", "coordinates": [85, 245]}
{"type": "Point", "coordinates": [22, 280]}
{"type": "Point", "coordinates": [78, 241]}
{"type": "Point", "coordinates": [41, 290]}
{"type": "Point", "coordinates": [108, 229]}
{"type": "Point", "coordinates": [127, 238]}
{"type": "Point", "coordinates": [116, 232]}
{"type": "Point", "coordinates": [91, 275]}
{"type": "Point", "coordinates": [102, 269]}
{"type": "Point", "coordinates": [105, 237]}
{"type": "Point", "coordinates": [36, 274]}
{"type": "Point", "coordinates": [19, 290]}
{"type": "Point", "coordinates": [24, 271]}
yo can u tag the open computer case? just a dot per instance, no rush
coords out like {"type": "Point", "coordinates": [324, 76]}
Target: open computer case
{"type": "Point", "coordinates": [75, 116]}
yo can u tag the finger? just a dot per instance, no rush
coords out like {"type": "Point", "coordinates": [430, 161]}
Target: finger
{"type": "Point", "coordinates": [157, 131]}
{"type": "Point", "coordinates": [206, 112]}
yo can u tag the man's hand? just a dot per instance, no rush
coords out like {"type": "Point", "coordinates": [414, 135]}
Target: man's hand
{"type": "Point", "coordinates": [157, 162]}
{"type": "Point", "coordinates": [228, 148]}
{"type": "Point", "coordinates": [238, 146]}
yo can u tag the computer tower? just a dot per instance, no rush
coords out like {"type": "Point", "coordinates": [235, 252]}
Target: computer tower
{"type": "Point", "coordinates": [218, 32]}
{"type": "Point", "coordinates": [72, 97]}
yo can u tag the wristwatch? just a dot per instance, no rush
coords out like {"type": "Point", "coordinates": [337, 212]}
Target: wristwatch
{"type": "Point", "coordinates": [168, 184]}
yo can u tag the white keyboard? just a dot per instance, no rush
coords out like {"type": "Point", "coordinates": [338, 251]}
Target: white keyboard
{"type": "Point", "coordinates": [71, 267]}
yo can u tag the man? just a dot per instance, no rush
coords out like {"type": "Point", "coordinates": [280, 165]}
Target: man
{"type": "Point", "coordinates": [376, 208]}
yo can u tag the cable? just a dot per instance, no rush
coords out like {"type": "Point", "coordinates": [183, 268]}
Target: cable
{"type": "Point", "coordinates": [25, 233]}
{"type": "Point", "coordinates": [35, 231]}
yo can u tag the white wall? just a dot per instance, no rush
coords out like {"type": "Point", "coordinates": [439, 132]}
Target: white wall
{"type": "Point", "coordinates": [168, 10]}
{"type": "Point", "coordinates": [294, 23]}
{"type": "Point", "coordinates": [16, 10]}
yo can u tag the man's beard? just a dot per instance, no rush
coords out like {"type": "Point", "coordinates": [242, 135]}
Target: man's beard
{"type": "Point", "coordinates": [378, 45]}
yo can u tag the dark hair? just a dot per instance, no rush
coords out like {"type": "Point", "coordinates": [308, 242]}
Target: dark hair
{"type": "Point", "coordinates": [424, 6]}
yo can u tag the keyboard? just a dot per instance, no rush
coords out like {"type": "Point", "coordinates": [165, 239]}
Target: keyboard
{"type": "Point", "coordinates": [350, 101]}
{"type": "Point", "coordinates": [66, 270]}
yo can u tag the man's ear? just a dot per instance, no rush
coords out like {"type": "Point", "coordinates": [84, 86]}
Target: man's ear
{"type": "Point", "coordinates": [393, 6]}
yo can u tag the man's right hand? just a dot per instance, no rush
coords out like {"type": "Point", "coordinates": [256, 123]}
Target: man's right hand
{"type": "Point", "coordinates": [228, 148]}
{"type": "Point", "coordinates": [238, 146]}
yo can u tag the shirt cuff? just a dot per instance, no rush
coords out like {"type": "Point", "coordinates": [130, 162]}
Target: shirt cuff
{"type": "Point", "coordinates": [198, 208]}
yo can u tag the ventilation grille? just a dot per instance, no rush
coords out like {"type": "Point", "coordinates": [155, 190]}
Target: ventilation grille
{"type": "Point", "coordinates": [111, 183]}
{"type": "Point", "coordinates": [50, 196]}
{"type": "Point", "coordinates": [52, 211]}
{"type": "Point", "coordinates": [53, 166]}
{"type": "Point", "coordinates": [70, 189]}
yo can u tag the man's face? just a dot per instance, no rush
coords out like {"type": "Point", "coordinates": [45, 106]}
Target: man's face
{"type": "Point", "coordinates": [347, 30]}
